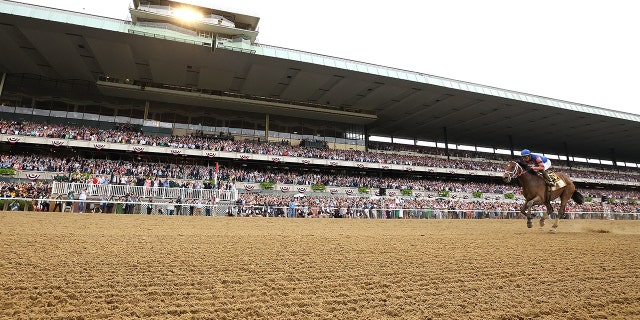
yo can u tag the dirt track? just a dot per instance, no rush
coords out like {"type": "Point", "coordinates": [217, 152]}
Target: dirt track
{"type": "Point", "coordinates": [94, 266]}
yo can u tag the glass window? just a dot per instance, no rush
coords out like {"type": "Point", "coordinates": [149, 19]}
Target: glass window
{"type": "Point", "coordinates": [412, 77]}
{"type": "Point", "coordinates": [306, 58]}
{"type": "Point", "coordinates": [435, 81]}
{"type": "Point", "coordinates": [351, 66]}
{"type": "Point", "coordinates": [341, 64]}
{"type": "Point", "coordinates": [317, 59]}
{"type": "Point", "coordinates": [107, 118]}
{"type": "Point", "coordinates": [402, 75]}
{"type": "Point", "coordinates": [282, 54]}
{"type": "Point", "coordinates": [379, 138]}
{"type": "Point", "coordinates": [269, 52]}
{"type": "Point", "coordinates": [91, 116]}
{"type": "Point", "coordinates": [403, 141]}
{"type": "Point", "coordinates": [422, 78]}
{"type": "Point", "coordinates": [426, 143]}
{"type": "Point", "coordinates": [294, 56]}
{"type": "Point", "coordinates": [329, 62]}
{"type": "Point", "coordinates": [249, 132]}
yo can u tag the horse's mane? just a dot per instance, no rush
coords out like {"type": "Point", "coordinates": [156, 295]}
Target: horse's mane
{"type": "Point", "coordinates": [525, 167]}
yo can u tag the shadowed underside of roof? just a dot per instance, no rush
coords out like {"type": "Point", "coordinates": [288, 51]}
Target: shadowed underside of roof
{"type": "Point", "coordinates": [386, 105]}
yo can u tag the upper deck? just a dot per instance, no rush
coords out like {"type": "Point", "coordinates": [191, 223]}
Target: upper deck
{"type": "Point", "coordinates": [195, 20]}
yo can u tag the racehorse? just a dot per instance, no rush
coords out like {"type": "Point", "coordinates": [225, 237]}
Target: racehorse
{"type": "Point", "coordinates": [535, 191]}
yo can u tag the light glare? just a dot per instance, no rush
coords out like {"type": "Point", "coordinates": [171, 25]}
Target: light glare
{"type": "Point", "coordinates": [187, 14]}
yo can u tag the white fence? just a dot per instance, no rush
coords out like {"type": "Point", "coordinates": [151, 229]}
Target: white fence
{"type": "Point", "coordinates": [113, 190]}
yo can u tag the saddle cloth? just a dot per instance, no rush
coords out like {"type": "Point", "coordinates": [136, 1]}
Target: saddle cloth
{"type": "Point", "coordinates": [557, 182]}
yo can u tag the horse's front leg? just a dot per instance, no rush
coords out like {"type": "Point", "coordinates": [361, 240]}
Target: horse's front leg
{"type": "Point", "coordinates": [526, 210]}
{"type": "Point", "coordinates": [547, 213]}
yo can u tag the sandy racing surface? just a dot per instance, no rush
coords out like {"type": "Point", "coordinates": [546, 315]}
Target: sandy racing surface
{"type": "Point", "coordinates": [91, 266]}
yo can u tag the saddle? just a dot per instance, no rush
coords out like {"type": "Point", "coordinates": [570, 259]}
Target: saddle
{"type": "Point", "coordinates": [558, 183]}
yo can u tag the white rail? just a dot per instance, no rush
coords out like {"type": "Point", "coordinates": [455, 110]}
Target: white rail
{"type": "Point", "coordinates": [115, 190]}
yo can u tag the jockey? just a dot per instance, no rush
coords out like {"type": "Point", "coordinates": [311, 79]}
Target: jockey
{"type": "Point", "coordinates": [538, 163]}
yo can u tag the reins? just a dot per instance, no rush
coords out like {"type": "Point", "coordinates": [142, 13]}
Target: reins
{"type": "Point", "coordinates": [517, 171]}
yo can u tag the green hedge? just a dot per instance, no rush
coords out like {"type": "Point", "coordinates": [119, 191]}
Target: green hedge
{"type": "Point", "coordinates": [406, 192]}
{"type": "Point", "coordinates": [267, 185]}
{"type": "Point", "coordinates": [509, 196]}
{"type": "Point", "coordinates": [363, 190]}
{"type": "Point", "coordinates": [444, 193]}
{"type": "Point", "coordinates": [61, 178]}
{"type": "Point", "coordinates": [7, 171]}
{"type": "Point", "coordinates": [477, 194]}
{"type": "Point", "coordinates": [318, 187]}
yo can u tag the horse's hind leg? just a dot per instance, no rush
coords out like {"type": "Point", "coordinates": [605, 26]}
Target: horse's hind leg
{"type": "Point", "coordinates": [547, 213]}
{"type": "Point", "coordinates": [554, 227]}
{"type": "Point", "coordinates": [561, 210]}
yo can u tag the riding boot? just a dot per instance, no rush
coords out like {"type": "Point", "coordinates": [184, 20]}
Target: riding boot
{"type": "Point", "coordinates": [547, 179]}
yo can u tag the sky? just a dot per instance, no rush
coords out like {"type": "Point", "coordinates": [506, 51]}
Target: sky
{"type": "Point", "coordinates": [581, 51]}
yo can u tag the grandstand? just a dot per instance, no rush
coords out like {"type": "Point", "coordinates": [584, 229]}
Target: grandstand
{"type": "Point", "coordinates": [160, 115]}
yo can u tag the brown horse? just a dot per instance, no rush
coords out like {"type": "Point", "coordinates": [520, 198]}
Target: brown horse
{"type": "Point", "coordinates": [535, 191]}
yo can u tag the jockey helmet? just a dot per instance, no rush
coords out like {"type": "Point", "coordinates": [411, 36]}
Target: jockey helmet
{"type": "Point", "coordinates": [525, 152]}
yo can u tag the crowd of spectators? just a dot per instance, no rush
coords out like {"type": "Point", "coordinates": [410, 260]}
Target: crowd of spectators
{"type": "Point", "coordinates": [369, 207]}
{"type": "Point", "coordinates": [25, 189]}
{"type": "Point", "coordinates": [159, 175]}
{"type": "Point", "coordinates": [430, 157]}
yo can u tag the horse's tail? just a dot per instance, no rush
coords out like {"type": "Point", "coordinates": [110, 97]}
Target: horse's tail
{"type": "Point", "coordinates": [577, 197]}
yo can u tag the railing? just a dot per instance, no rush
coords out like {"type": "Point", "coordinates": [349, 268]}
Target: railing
{"type": "Point", "coordinates": [222, 208]}
{"type": "Point", "coordinates": [112, 190]}
{"type": "Point", "coordinates": [163, 37]}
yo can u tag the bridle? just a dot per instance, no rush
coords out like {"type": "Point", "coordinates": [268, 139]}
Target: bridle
{"type": "Point", "coordinates": [516, 172]}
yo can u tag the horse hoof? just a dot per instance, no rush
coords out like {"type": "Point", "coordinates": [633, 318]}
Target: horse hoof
{"type": "Point", "coordinates": [529, 224]}
{"type": "Point", "coordinates": [553, 230]}
{"type": "Point", "coordinates": [541, 223]}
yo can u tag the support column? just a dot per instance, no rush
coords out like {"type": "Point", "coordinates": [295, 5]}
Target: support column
{"type": "Point", "coordinates": [266, 127]}
{"type": "Point", "coordinates": [446, 142]}
{"type": "Point", "coordinates": [510, 138]}
{"type": "Point", "coordinates": [366, 138]}
{"type": "Point", "coordinates": [146, 110]}
{"type": "Point", "coordinates": [566, 154]}
{"type": "Point", "coordinates": [4, 77]}
{"type": "Point", "coordinates": [613, 158]}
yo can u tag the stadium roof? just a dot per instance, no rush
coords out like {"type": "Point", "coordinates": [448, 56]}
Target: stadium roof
{"type": "Point", "coordinates": [258, 78]}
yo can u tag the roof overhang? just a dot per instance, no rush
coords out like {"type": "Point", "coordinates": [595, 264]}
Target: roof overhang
{"type": "Point", "coordinates": [388, 105]}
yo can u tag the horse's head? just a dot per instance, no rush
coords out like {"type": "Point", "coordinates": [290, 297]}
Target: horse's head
{"type": "Point", "coordinates": [511, 170]}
